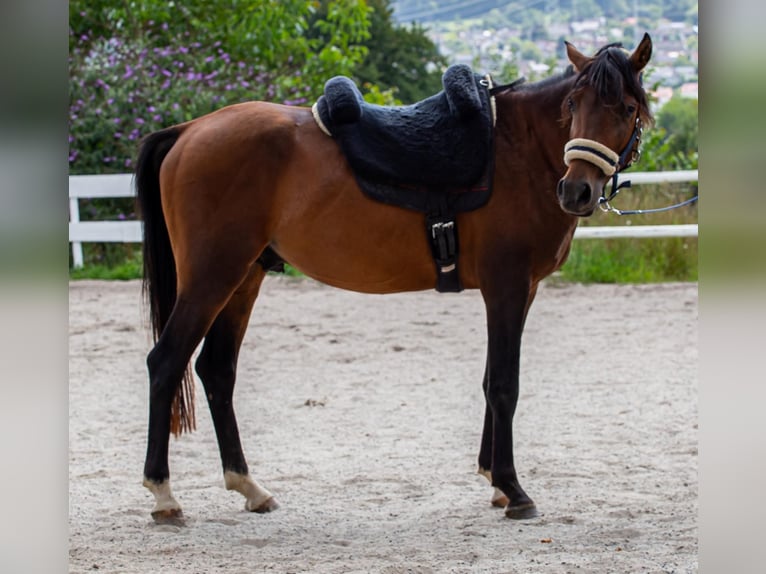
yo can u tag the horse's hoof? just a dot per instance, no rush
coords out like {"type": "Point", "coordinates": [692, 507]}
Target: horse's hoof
{"type": "Point", "coordinates": [268, 505]}
{"type": "Point", "coordinates": [521, 511]}
{"type": "Point", "coordinates": [171, 516]}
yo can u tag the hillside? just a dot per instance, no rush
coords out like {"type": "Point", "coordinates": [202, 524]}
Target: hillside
{"type": "Point", "coordinates": [527, 37]}
{"type": "Point", "coordinates": [430, 11]}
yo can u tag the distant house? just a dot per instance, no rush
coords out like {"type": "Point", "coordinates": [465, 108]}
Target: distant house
{"type": "Point", "coordinates": [662, 96]}
{"type": "Point", "coordinates": [689, 90]}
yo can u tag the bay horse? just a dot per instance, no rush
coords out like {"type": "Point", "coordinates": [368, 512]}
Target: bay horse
{"type": "Point", "coordinates": [219, 193]}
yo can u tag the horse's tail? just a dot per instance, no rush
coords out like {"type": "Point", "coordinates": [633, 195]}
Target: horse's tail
{"type": "Point", "coordinates": [159, 284]}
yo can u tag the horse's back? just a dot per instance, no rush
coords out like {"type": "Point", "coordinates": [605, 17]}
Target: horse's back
{"type": "Point", "coordinates": [258, 174]}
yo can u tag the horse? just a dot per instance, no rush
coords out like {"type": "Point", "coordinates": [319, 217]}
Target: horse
{"type": "Point", "coordinates": [229, 195]}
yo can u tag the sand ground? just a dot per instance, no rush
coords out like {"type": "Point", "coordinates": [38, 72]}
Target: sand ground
{"type": "Point", "coordinates": [363, 415]}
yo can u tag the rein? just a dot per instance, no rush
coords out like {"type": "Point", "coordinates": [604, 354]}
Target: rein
{"type": "Point", "coordinates": [612, 164]}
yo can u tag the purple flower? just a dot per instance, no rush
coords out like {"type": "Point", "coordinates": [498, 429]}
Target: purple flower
{"type": "Point", "coordinates": [140, 121]}
{"type": "Point", "coordinates": [117, 135]}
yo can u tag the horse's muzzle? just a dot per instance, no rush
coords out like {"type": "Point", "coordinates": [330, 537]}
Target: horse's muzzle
{"type": "Point", "coordinates": [577, 196]}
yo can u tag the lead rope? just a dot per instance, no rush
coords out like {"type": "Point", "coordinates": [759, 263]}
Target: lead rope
{"type": "Point", "coordinates": [612, 164]}
{"type": "Point", "coordinates": [632, 148]}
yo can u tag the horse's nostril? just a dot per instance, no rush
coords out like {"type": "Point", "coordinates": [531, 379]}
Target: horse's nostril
{"type": "Point", "coordinates": [584, 195]}
{"type": "Point", "coordinates": [560, 189]}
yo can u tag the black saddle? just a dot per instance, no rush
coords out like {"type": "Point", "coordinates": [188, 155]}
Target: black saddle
{"type": "Point", "coordinates": [443, 142]}
{"type": "Point", "coordinates": [435, 156]}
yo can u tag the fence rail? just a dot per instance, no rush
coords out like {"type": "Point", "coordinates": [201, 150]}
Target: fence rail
{"type": "Point", "coordinates": [121, 185]}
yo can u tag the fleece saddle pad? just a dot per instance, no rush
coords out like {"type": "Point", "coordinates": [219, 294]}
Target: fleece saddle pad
{"type": "Point", "coordinates": [441, 144]}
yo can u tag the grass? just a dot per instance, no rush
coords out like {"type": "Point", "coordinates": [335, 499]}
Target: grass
{"type": "Point", "coordinates": [120, 272]}
{"type": "Point", "coordinates": [128, 270]}
{"type": "Point", "coordinates": [590, 261]}
{"type": "Point", "coordinates": [632, 260]}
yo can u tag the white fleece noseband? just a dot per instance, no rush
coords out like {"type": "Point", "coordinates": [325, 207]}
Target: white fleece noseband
{"type": "Point", "coordinates": [593, 152]}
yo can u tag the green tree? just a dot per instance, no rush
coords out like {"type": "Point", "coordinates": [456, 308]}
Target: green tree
{"type": "Point", "coordinates": [679, 119]}
{"type": "Point", "coordinates": [399, 58]}
{"type": "Point", "coordinates": [136, 66]}
{"type": "Point", "coordinates": [672, 143]}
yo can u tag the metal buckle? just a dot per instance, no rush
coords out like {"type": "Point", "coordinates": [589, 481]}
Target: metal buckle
{"type": "Point", "coordinates": [440, 227]}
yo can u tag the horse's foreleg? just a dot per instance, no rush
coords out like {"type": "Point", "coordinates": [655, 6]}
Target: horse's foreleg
{"type": "Point", "coordinates": [499, 499]}
{"type": "Point", "coordinates": [507, 305]}
{"type": "Point", "coordinates": [217, 368]}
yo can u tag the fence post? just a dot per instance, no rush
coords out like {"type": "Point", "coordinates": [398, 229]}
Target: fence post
{"type": "Point", "coordinates": [74, 217]}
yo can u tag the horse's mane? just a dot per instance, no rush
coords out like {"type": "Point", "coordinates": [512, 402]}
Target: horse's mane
{"type": "Point", "coordinates": [540, 85]}
{"type": "Point", "coordinates": [611, 74]}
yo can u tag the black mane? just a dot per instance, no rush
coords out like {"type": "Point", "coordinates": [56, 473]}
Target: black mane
{"type": "Point", "coordinates": [521, 83]}
{"type": "Point", "coordinates": [610, 72]}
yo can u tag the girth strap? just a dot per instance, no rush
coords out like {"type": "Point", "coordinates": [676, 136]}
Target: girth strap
{"type": "Point", "coordinates": [441, 230]}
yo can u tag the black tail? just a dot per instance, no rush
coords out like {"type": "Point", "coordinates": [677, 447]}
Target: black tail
{"type": "Point", "coordinates": [159, 286]}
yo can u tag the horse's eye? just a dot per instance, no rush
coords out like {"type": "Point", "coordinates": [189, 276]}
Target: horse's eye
{"type": "Point", "coordinates": [630, 109]}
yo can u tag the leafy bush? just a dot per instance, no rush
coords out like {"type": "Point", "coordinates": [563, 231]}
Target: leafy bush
{"type": "Point", "coordinates": [136, 69]}
{"type": "Point", "coordinates": [139, 66]}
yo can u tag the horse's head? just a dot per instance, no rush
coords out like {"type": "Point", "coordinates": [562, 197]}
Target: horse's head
{"type": "Point", "coordinates": [606, 108]}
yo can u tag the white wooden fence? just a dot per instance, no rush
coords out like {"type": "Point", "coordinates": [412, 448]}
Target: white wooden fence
{"type": "Point", "coordinates": [120, 185]}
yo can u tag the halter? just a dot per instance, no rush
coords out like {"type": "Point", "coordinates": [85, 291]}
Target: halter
{"type": "Point", "coordinates": [612, 164]}
{"type": "Point", "coordinates": [628, 157]}
{"type": "Point", "coordinates": [604, 158]}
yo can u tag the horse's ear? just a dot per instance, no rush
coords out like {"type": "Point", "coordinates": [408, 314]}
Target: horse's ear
{"type": "Point", "coordinates": [640, 57]}
{"type": "Point", "coordinates": [578, 59]}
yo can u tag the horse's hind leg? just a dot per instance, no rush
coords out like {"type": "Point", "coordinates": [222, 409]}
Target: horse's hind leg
{"type": "Point", "coordinates": [217, 368]}
{"type": "Point", "coordinates": [167, 363]}
{"type": "Point", "coordinates": [199, 301]}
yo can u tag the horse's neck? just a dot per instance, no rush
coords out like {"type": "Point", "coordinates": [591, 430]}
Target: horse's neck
{"type": "Point", "coordinates": [531, 149]}
{"type": "Point", "coordinates": [534, 126]}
